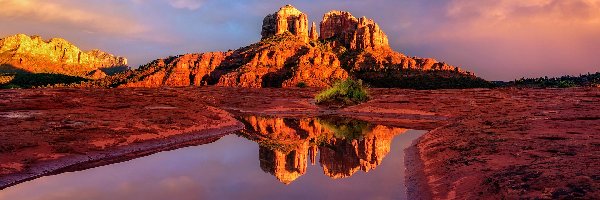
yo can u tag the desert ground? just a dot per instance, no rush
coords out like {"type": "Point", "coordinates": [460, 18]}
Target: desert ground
{"type": "Point", "coordinates": [482, 143]}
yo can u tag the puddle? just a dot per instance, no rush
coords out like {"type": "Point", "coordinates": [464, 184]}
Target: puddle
{"type": "Point", "coordinates": [274, 158]}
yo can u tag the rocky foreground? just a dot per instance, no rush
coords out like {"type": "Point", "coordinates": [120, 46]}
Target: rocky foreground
{"type": "Point", "coordinates": [504, 143]}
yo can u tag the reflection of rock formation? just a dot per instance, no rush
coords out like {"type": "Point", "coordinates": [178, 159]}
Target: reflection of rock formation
{"type": "Point", "coordinates": [286, 166]}
{"type": "Point", "coordinates": [345, 146]}
{"type": "Point", "coordinates": [343, 158]}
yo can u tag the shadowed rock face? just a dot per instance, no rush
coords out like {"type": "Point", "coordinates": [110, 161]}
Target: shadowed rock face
{"type": "Point", "coordinates": [346, 146]}
{"type": "Point", "coordinates": [34, 55]}
{"type": "Point", "coordinates": [289, 55]}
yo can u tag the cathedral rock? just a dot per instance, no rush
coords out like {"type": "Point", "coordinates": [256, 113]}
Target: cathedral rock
{"type": "Point", "coordinates": [290, 54]}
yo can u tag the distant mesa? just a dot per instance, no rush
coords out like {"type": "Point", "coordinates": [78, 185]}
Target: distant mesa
{"type": "Point", "coordinates": [31, 54]}
{"type": "Point", "coordinates": [346, 146]}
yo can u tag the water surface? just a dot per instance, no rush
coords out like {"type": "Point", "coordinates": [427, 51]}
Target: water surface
{"type": "Point", "coordinates": [274, 158]}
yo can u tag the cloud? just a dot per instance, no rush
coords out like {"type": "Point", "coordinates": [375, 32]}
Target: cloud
{"type": "Point", "coordinates": [531, 12]}
{"type": "Point", "coordinates": [63, 13]}
{"type": "Point", "coordinates": [503, 39]}
{"type": "Point", "coordinates": [186, 4]}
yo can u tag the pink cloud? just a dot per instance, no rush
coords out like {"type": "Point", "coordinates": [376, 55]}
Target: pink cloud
{"type": "Point", "coordinates": [62, 12]}
{"type": "Point", "coordinates": [507, 39]}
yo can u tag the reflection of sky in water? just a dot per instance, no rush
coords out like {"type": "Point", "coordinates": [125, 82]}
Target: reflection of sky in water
{"type": "Point", "coordinates": [226, 169]}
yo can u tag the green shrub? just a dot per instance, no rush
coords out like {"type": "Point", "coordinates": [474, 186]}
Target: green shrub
{"type": "Point", "coordinates": [347, 92]}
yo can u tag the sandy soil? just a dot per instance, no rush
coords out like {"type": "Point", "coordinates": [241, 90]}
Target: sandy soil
{"type": "Point", "coordinates": [505, 143]}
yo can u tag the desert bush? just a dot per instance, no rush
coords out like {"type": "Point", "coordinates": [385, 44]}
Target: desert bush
{"type": "Point", "coordinates": [347, 92]}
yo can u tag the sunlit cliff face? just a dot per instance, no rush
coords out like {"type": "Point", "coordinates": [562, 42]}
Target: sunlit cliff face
{"type": "Point", "coordinates": [345, 146]}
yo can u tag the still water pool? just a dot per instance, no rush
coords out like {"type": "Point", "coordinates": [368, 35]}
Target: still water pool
{"type": "Point", "coordinates": [273, 158]}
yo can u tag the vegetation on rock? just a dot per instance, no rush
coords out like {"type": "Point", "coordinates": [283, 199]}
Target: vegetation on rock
{"type": "Point", "coordinates": [344, 93]}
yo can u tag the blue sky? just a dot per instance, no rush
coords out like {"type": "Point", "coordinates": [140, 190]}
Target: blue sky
{"type": "Point", "coordinates": [497, 39]}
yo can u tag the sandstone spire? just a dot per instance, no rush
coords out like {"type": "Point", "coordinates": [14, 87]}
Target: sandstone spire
{"type": "Point", "coordinates": [351, 32]}
{"type": "Point", "coordinates": [287, 19]}
{"type": "Point", "coordinates": [313, 32]}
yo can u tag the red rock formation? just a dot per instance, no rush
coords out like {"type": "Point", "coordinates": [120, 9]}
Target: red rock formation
{"type": "Point", "coordinates": [285, 58]}
{"type": "Point", "coordinates": [285, 166]}
{"type": "Point", "coordinates": [351, 32]}
{"type": "Point", "coordinates": [287, 19]}
{"type": "Point", "coordinates": [388, 60]}
{"type": "Point", "coordinates": [184, 70]}
{"type": "Point", "coordinates": [343, 158]}
{"type": "Point", "coordinates": [22, 53]}
{"type": "Point", "coordinates": [281, 61]}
